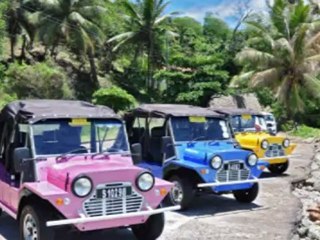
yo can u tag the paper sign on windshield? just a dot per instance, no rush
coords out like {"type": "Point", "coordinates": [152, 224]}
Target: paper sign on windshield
{"type": "Point", "coordinates": [79, 122]}
{"type": "Point", "coordinates": [246, 117]}
{"type": "Point", "coordinates": [196, 119]}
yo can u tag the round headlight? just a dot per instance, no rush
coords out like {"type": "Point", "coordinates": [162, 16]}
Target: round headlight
{"type": "Point", "coordinates": [286, 143]}
{"type": "Point", "coordinates": [216, 162]}
{"type": "Point", "coordinates": [264, 144]}
{"type": "Point", "coordinates": [145, 181]}
{"type": "Point", "coordinates": [252, 160]}
{"type": "Point", "coordinates": [82, 186]}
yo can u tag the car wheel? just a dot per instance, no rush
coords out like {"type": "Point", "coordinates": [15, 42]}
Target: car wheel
{"type": "Point", "coordinates": [182, 192]}
{"type": "Point", "coordinates": [151, 229]}
{"type": "Point", "coordinates": [32, 224]}
{"type": "Point", "coordinates": [279, 168]}
{"type": "Point", "coordinates": [247, 195]}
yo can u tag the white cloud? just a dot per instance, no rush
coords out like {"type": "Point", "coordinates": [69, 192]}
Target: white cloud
{"type": "Point", "coordinates": [227, 8]}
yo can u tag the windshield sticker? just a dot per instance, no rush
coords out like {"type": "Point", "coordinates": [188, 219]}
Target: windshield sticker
{"type": "Point", "coordinates": [246, 117]}
{"type": "Point", "coordinates": [196, 119]}
{"type": "Point", "coordinates": [225, 132]}
{"type": "Point", "coordinates": [79, 122]}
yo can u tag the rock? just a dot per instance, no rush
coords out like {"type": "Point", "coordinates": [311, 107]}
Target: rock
{"type": "Point", "coordinates": [309, 140]}
{"type": "Point", "coordinates": [303, 231]}
{"type": "Point", "coordinates": [314, 232]}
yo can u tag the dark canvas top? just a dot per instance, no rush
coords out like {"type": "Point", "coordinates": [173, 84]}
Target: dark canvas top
{"type": "Point", "coordinates": [235, 111]}
{"type": "Point", "coordinates": [34, 110]}
{"type": "Point", "coordinates": [176, 110]}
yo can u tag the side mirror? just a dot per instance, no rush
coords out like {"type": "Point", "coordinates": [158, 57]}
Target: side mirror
{"type": "Point", "coordinates": [19, 154]}
{"type": "Point", "coordinates": [136, 150]}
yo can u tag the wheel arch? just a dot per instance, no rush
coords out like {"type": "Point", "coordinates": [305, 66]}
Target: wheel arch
{"type": "Point", "coordinates": [28, 197]}
{"type": "Point", "coordinates": [182, 171]}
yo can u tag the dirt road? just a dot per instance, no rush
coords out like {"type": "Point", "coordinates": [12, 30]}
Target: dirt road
{"type": "Point", "coordinates": [270, 217]}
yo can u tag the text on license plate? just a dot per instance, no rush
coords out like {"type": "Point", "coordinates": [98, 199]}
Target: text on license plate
{"type": "Point", "coordinates": [234, 166]}
{"type": "Point", "coordinates": [113, 192]}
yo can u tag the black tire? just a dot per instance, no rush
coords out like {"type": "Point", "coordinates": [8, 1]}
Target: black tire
{"type": "Point", "coordinates": [36, 216]}
{"type": "Point", "coordinates": [151, 229]}
{"type": "Point", "coordinates": [279, 168]}
{"type": "Point", "coordinates": [247, 195]}
{"type": "Point", "coordinates": [188, 192]}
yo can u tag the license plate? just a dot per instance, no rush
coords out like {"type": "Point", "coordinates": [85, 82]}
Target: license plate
{"type": "Point", "coordinates": [234, 166]}
{"type": "Point", "coordinates": [113, 192]}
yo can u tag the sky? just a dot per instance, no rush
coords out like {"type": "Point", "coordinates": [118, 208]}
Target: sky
{"type": "Point", "coordinates": [225, 9]}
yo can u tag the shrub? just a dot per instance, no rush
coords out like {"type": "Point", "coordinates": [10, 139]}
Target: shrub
{"type": "Point", "coordinates": [115, 98]}
{"type": "Point", "coordinates": [42, 80]}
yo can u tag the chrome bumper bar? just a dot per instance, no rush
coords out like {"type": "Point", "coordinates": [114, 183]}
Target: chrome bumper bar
{"type": "Point", "coordinates": [217, 184]}
{"type": "Point", "coordinates": [279, 157]}
{"type": "Point", "coordinates": [110, 217]}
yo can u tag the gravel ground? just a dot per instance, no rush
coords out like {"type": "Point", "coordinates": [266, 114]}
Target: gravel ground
{"type": "Point", "coordinates": [272, 216]}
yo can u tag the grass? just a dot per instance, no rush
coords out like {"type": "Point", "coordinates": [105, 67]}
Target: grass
{"type": "Point", "coordinates": [304, 131]}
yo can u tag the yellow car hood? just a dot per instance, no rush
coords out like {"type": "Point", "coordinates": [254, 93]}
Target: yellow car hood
{"type": "Point", "coordinates": [253, 141]}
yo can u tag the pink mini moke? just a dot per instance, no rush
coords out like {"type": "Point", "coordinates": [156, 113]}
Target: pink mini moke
{"type": "Point", "coordinates": [68, 163]}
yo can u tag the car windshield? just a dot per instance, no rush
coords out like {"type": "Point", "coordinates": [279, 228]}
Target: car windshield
{"type": "Point", "coordinates": [269, 118]}
{"type": "Point", "coordinates": [187, 129]}
{"type": "Point", "coordinates": [248, 123]}
{"type": "Point", "coordinates": [52, 137]}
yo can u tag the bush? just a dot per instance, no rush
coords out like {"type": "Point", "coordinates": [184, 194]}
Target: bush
{"type": "Point", "coordinates": [115, 98]}
{"type": "Point", "coordinates": [304, 131]}
{"type": "Point", "coordinates": [42, 80]}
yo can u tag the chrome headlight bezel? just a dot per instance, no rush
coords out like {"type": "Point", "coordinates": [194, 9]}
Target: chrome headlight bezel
{"type": "Point", "coordinates": [82, 182]}
{"type": "Point", "coordinates": [264, 144]}
{"type": "Point", "coordinates": [286, 143]}
{"type": "Point", "coordinates": [252, 160]}
{"type": "Point", "coordinates": [143, 178]}
{"type": "Point", "coordinates": [216, 162]}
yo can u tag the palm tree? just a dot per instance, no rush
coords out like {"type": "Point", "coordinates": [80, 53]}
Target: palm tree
{"type": "Point", "coordinates": [18, 23]}
{"type": "Point", "coordinates": [74, 22]}
{"type": "Point", "coordinates": [284, 55]}
{"type": "Point", "coordinates": [145, 24]}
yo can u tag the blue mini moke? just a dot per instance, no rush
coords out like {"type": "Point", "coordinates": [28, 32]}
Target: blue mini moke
{"type": "Point", "coordinates": [192, 147]}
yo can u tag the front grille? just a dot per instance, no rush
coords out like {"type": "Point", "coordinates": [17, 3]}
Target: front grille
{"type": "Point", "coordinates": [226, 174]}
{"type": "Point", "coordinates": [94, 206]}
{"type": "Point", "coordinates": [275, 150]}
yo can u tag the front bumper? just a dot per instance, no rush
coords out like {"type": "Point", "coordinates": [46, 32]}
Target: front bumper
{"type": "Point", "coordinates": [218, 184]}
{"type": "Point", "coordinates": [84, 219]}
{"type": "Point", "coordinates": [277, 160]}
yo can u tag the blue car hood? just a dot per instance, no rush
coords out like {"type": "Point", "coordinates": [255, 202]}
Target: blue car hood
{"type": "Point", "coordinates": [202, 152]}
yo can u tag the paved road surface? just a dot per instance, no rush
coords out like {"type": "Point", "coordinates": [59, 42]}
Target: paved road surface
{"type": "Point", "coordinates": [270, 217]}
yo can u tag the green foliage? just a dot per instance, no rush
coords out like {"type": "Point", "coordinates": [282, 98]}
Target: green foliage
{"type": "Point", "coordinates": [215, 28]}
{"type": "Point", "coordinates": [3, 6]}
{"type": "Point", "coordinates": [115, 98]}
{"type": "Point", "coordinates": [304, 131]}
{"type": "Point", "coordinates": [281, 55]}
{"type": "Point", "coordinates": [42, 80]}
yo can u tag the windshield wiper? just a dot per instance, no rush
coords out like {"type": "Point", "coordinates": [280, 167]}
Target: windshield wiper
{"type": "Point", "coordinates": [197, 139]}
{"type": "Point", "coordinates": [114, 151]}
{"type": "Point", "coordinates": [74, 151]}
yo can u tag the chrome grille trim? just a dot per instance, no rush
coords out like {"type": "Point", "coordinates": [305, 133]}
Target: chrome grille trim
{"type": "Point", "coordinates": [93, 207]}
{"type": "Point", "coordinates": [275, 150]}
{"type": "Point", "coordinates": [232, 175]}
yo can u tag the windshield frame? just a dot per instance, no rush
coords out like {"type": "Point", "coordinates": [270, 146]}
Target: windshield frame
{"type": "Point", "coordinates": [33, 147]}
{"type": "Point", "coordinates": [230, 132]}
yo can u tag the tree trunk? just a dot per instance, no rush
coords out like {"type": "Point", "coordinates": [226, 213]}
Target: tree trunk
{"type": "Point", "coordinates": [150, 84]}
{"type": "Point", "coordinates": [93, 70]}
{"type": "Point", "coordinates": [23, 47]}
{"type": "Point", "coordinates": [12, 44]}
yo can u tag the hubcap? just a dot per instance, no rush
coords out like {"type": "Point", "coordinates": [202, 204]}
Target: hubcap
{"type": "Point", "coordinates": [176, 193]}
{"type": "Point", "coordinates": [30, 229]}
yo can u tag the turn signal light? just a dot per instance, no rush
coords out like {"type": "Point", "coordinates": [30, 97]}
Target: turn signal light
{"type": "Point", "coordinates": [59, 202]}
{"type": "Point", "coordinates": [163, 192]}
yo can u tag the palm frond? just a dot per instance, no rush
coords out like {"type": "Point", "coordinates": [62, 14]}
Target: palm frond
{"type": "Point", "coordinates": [121, 37]}
{"type": "Point", "coordinates": [256, 58]}
{"type": "Point", "coordinates": [242, 79]}
{"type": "Point", "coordinates": [268, 78]}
